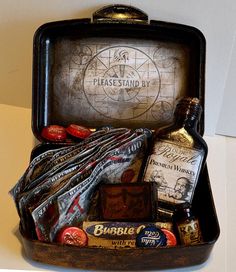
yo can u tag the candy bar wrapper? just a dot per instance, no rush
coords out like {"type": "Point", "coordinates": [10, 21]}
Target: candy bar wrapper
{"type": "Point", "coordinates": [33, 171]}
{"type": "Point", "coordinates": [74, 204]}
{"type": "Point", "coordinates": [42, 163]}
{"type": "Point", "coordinates": [93, 213]}
{"type": "Point", "coordinates": [50, 183]}
{"type": "Point", "coordinates": [79, 146]}
{"type": "Point", "coordinates": [46, 214]}
{"type": "Point", "coordinates": [55, 172]}
{"type": "Point", "coordinates": [114, 144]}
{"type": "Point", "coordinates": [61, 162]}
{"type": "Point", "coordinates": [85, 145]}
{"type": "Point", "coordinates": [62, 166]}
{"type": "Point", "coordinates": [74, 154]}
{"type": "Point", "coordinates": [117, 234]}
{"type": "Point", "coordinates": [36, 195]}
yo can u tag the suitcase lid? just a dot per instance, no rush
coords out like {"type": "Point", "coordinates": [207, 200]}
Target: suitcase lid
{"type": "Point", "coordinates": [118, 70]}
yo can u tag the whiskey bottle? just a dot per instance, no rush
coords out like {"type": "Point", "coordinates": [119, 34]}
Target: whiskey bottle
{"type": "Point", "coordinates": [177, 155]}
{"type": "Point", "coordinates": [187, 225]}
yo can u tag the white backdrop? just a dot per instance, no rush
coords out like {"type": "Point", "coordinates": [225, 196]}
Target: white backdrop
{"type": "Point", "coordinates": [19, 20]}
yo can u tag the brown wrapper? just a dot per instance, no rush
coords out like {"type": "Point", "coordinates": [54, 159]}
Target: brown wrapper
{"type": "Point", "coordinates": [128, 202]}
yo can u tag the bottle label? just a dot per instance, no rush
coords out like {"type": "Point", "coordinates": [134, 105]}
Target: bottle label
{"type": "Point", "coordinates": [189, 233]}
{"type": "Point", "coordinates": [175, 169]}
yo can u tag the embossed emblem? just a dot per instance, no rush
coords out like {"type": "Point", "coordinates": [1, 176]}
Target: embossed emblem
{"type": "Point", "coordinates": [124, 78]}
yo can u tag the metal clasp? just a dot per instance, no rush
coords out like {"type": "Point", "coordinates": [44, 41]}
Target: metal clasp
{"type": "Point", "coordinates": [120, 14]}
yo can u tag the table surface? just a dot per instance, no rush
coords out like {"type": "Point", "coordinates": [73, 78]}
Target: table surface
{"type": "Point", "coordinates": [17, 142]}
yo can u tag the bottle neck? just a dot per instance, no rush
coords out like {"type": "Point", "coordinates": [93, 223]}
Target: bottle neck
{"type": "Point", "coordinates": [186, 121]}
{"type": "Point", "coordinates": [187, 112]}
{"type": "Point", "coordinates": [184, 213]}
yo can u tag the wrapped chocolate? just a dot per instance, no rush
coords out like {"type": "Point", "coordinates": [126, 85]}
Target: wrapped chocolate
{"type": "Point", "coordinates": [35, 169]}
{"type": "Point", "coordinates": [74, 204]}
{"type": "Point", "coordinates": [128, 202]}
{"type": "Point", "coordinates": [46, 214]}
{"type": "Point", "coordinates": [57, 187]}
{"type": "Point", "coordinates": [47, 160]}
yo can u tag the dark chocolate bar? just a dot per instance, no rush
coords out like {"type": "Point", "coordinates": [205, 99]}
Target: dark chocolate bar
{"type": "Point", "coordinates": [128, 202]}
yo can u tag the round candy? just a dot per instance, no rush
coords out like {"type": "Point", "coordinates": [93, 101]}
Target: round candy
{"type": "Point", "coordinates": [54, 133]}
{"type": "Point", "coordinates": [151, 237]}
{"type": "Point", "coordinates": [78, 131]}
{"type": "Point", "coordinates": [73, 236]}
{"type": "Point", "coordinates": [171, 239]}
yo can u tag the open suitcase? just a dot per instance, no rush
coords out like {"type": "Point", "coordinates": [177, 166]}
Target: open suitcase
{"type": "Point", "coordinates": [123, 71]}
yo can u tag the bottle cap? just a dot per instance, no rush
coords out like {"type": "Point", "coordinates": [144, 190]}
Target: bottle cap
{"type": "Point", "coordinates": [183, 210]}
{"type": "Point", "coordinates": [189, 106]}
{"type": "Point", "coordinates": [151, 237]}
{"type": "Point", "coordinates": [171, 239]}
{"type": "Point", "coordinates": [73, 236]}
{"type": "Point", "coordinates": [54, 133]}
{"type": "Point", "coordinates": [78, 131]}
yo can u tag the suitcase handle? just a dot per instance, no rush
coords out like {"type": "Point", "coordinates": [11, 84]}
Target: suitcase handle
{"type": "Point", "coordinates": [120, 14]}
